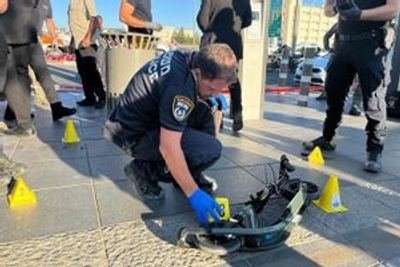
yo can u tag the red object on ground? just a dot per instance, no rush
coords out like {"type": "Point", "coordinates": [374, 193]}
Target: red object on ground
{"type": "Point", "coordinates": [286, 89]}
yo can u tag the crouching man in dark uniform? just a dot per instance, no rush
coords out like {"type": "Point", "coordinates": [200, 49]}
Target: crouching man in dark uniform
{"type": "Point", "coordinates": [359, 49]}
{"type": "Point", "coordinates": [164, 123]}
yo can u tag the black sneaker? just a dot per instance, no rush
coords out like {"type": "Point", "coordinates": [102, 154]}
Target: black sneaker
{"type": "Point", "coordinates": [58, 111]}
{"type": "Point", "coordinates": [86, 103]}
{"type": "Point", "coordinates": [148, 189]}
{"type": "Point", "coordinates": [355, 111]}
{"type": "Point", "coordinates": [20, 131]}
{"type": "Point", "coordinates": [321, 142]}
{"type": "Point", "coordinates": [99, 104]}
{"type": "Point", "coordinates": [373, 163]}
{"type": "Point", "coordinates": [237, 124]}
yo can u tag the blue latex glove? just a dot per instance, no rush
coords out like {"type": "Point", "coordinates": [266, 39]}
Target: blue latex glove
{"type": "Point", "coordinates": [212, 101]}
{"type": "Point", "coordinates": [204, 205]}
{"type": "Point", "coordinates": [218, 102]}
{"type": "Point", "coordinates": [222, 104]}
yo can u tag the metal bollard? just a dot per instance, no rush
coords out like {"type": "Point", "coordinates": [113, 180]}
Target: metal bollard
{"type": "Point", "coordinates": [284, 68]}
{"type": "Point", "coordinates": [305, 81]}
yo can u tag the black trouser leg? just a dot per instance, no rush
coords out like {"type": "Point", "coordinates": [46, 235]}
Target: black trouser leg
{"type": "Point", "coordinates": [17, 88]}
{"type": "Point", "coordinates": [87, 68]}
{"type": "Point", "coordinates": [39, 65]}
{"type": "Point", "coordinates": [80, 64]}
{"type": "Point", "coordinates": [373, 76]}
{"type": "Point", "coordinates": [340, 75]}
{"type": "Point", "coordinates": [201, 149]}
{"type": "Point", "coordinates": [3, 60]}
{"type": "Point", "coordinates": [235, 91]}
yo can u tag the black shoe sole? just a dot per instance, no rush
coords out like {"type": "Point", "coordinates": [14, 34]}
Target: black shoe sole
{"type": "Point", "coordinates": [66, 114]}
{"type": "Point", "coordinates": [132, 177]}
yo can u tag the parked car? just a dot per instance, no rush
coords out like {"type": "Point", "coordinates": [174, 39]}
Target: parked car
{"type": "Point", "coordinates": [318, 72]}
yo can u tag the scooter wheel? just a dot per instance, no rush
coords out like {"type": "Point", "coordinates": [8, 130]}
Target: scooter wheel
{"type": "Point", "coordinates": [291, 187]}
{"type": "Point", "coordinates": [217, 245]}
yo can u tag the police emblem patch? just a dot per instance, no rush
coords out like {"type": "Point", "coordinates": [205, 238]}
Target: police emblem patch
{"type": "Point", "coordinates": [182, 107]}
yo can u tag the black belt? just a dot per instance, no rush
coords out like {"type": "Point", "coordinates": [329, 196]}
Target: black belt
{"type": "Point", "coordinates": [372, 34]}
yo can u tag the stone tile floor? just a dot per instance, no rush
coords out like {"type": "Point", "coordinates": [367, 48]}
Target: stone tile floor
{"type": "Point", "coordinates": [88, 213]}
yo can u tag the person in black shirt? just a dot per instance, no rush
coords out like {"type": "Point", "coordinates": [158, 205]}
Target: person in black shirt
{"type": "Point", "coordinates": [8, 168]}
{"type": "Point", "coordinates": [360, 50]}
{"type": "Point", "coordinates": [162, 120]}
{"type": "Point", "coordinates": [222, 22]}
{"type": "Point", "coordinates": [3, 48]}
{"type": "Point", "coordinates": [19, 28]}
{"type": "Point", "coordinates": [137, 15]}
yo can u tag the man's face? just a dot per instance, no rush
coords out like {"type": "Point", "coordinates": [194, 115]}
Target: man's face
{"type": "Point", "coordinates": [209, 88]}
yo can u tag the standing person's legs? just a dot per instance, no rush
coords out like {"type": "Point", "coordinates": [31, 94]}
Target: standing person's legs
{"type": "Point", "coordinates": [355, 109]}
{"type": "Point", "coordinates": [236, 108]}
{"type": "Point", "coordinates": [374, 75]}
{"type": "Point", "coordinates": [18, 90]}
{"type": "Point", "coordinates": [340, 75]}
{"type": "Point", "coordinates": [83, 72]}
{"type": "Point", "coordinates": [93, 80]}
{"type": "Point", "coordinates": [235, 91]}
{"type": "Point", "coordinates": [39, 66]}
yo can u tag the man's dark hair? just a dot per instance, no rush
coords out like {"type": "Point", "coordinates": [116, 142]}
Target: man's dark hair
{"type": "Point", "coordinates": [217, 61]}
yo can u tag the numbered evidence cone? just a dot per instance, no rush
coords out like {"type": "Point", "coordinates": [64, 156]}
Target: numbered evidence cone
{"type": "Point", "coordinates": [21, 194]}
{"type": "Point", "coordinates": [224, 203]}
{"type": "Point", "coordinates": [316, 158]}
{"type": "Point", "coordinates": [330, 200]}
{"type": "Point", "coordinates": [70, 135]}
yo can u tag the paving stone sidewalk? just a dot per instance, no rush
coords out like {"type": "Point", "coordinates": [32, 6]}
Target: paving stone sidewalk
{"type": "Point", "coordinates": [88, 213]}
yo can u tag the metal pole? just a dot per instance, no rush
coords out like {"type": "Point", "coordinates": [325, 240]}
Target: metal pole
{"type": "Point", "coordinates": [305, 81]}
{"type": "Point", "coordinates": [284, 68]}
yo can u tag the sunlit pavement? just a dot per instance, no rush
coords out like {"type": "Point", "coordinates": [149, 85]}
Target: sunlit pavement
{"type": "Point", "coordinates": [89, 214]}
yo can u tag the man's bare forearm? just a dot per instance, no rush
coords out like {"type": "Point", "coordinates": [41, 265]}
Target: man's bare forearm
{"type": "Point", "coordinates": [91, 29]}
{"type": "Point", "coordinates": [3, 6]}
{"type": "Point", "coordinates": [174, 157]}
{"type": "Point", "coordinates": [125, 16]}
{"type": "Point", "coordinates": [383, 13]}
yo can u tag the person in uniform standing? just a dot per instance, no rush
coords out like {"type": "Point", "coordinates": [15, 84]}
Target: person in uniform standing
{"type": "Point", "coordinates": [360, 49]}
{"type": "Point", "coordinates": [163, 121]}
{"type": "Point", "coordinates": [222, 22]}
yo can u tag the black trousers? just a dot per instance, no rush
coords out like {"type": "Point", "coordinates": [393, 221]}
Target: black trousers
{"type": "Point", "coordinates": [3, 62]}
{"type": "Point", "coordinates": [17, 86]}
{"type": "Point", "coordinates": [200, 146]}
{"type": "Point", "coordinates": [236, 108]}
{"type": "Point", "coordinates": [90, 76]}
{"type": "Point", "coordinates": [367, 58]}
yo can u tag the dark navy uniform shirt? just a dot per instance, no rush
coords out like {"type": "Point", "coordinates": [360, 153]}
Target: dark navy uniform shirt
{"type": "Point", "coordinates": [162, 93]}
{"type": "Point", "coordinates": [355, 27]}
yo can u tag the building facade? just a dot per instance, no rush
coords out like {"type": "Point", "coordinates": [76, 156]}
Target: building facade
{"type": "Point", "coordinates": [304, 23]}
